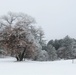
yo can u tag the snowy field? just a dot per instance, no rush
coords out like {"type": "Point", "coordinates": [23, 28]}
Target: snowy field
{"type": "Point", "coordinates": [9, 66]}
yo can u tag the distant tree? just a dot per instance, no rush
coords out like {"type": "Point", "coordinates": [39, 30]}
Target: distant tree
{"type": "Point", "coordinates": [67, 41]}
{"type": "Point", "coordinates": [56, 43]}
{"type": "Point", "coordinates": [61, 52]}
{"type": "Point", "coordinates": [52, 52]}
{"type": "Point", "coordinates": [42, 56]}
{"type": "Point", "coordinates": [65, 50]}
{"type": "Point", "coordinates": [51, 42]}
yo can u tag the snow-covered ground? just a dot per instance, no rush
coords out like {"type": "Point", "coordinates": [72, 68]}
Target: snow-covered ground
{"type": "Point", "coordinates": [9, 66]}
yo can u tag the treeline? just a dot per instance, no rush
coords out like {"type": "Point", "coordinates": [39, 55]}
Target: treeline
{"type": "Point", "coordinates": [61, 49]}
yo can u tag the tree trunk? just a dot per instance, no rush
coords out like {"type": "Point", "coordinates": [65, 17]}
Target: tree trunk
{"type": "Point", "coordinates": [21, 56]}
{"type": "Point", "coordinates": [18, 58]}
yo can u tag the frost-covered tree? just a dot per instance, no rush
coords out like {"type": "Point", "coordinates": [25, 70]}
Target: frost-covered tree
{"type": "Point", "coordinates": [15, 36]}
{"type": "Point", "coordinates": [42, 55]}
{"type": "Point", "coordinates": [52, 52]}
{"type": "Point", "coordinates": [65, 50]}
{"type": "Point", "coordinates": [62, 52]}
{"type": "Point", "coordinates": [67, 43]}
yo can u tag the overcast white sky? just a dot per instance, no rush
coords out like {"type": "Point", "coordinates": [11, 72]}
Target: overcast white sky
{"type": "Point", "coordinates": [56, 17]}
